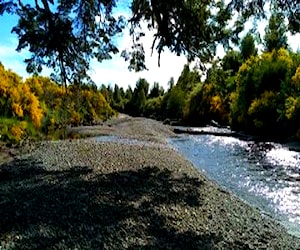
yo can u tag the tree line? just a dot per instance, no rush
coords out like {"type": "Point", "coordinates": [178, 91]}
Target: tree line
{"type": "Point", "coordinates": [254, 92]}
{"type": "Point", "coordinates": [38, 107]}
{"type": "Point", "coordinates": [249, 91]}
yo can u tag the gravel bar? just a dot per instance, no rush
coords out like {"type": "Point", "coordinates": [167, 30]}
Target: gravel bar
{"type": "Point", "coordinates": [91, 194]}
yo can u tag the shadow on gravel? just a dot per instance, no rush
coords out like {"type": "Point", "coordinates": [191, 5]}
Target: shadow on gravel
{"type": "Point", "coordinates": [80, 208]}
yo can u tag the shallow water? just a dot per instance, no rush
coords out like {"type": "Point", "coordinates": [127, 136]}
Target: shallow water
{"type": "Point", "coordinates": [265, 174]}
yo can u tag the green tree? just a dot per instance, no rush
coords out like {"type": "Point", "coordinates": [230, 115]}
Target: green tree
{"type": "Point", "coordinates": [136, 104]}
{"type": "Point", "coordinates": [171, 83]}
{"type": "Point", "coordinates": [188, 79]}
{"type": "Point", "coordinates": [175, 99]}
{"type": "Point", "coordinates": [275, 33]}
{"type": "Point", "coordinates": [264, 84]}
{"type": "Point", "coordinates": [232, 61]}
{"type": "Point", "coordinates": [66, 35]}
{"type": "Point", "coordinates": [153, 107]}
{"type": "Point", "coordinates": [107, 92]}
{"type": "Point", "coordinates": [117, 96]}
{"type": "Point", "coordinates": [204, 105]}
{"type": "Point", "coordinates": [142, 84]}
{"type": "Point", "coordinates": [175, 103]}
{"type": "Point", "coordinates": [156, 90]}
{"type": "Point", "coordinates": [221, 81]}
{"type": "Point", "coordinates": [128, 93]}
{"type": "Point", "coordinates": [194, 27]}
{"type": "Point", "coordinates": [247, 47]}
{"type": "Point", "coordinates": [210, 100]}
{"type": "Point", "coordinates": [6, 6]}
{"type": "Point", "coordinates": [118, 99]}
{"type": "Point", "coordinates": [182, 26]}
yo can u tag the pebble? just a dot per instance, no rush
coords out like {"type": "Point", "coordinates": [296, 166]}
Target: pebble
{"type": "Point", "coordinates": [152, 152]}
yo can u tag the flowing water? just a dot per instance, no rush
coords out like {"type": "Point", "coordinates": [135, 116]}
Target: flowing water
{"type": "Point", "coordinates": [264, 174]}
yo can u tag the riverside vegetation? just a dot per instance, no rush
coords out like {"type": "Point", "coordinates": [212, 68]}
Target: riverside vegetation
{"type": "Point", "coordinates": [40, 108]}
{"type": "Point", "coordinates": [259, 96]}
{"type": "Point", "coordinates": [257, 93]}
{"type": "Point", "coordinates": [248, 90]}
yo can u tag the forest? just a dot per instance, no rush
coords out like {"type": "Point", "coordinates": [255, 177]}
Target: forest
{"type": "Point", "coordinates": [253, 91]}
{"type": "Point", "coordinates": [250, 90]}
{"type": "Point", "coordinates": [41, 108]}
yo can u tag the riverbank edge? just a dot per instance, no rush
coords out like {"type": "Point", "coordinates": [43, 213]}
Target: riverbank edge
{"type": "Point", "coordinates": [291, 142]}
{"type": "Point", "coordinates": [206, 210]}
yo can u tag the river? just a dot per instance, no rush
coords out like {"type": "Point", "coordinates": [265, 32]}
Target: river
{"type": "Point", "coordinates": [263, 174]}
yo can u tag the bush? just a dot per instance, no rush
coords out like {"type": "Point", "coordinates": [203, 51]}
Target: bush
{"type": "Point", "coordinates": [153, 107]}
{"type": "Point", "coordinates": [46, 106]}
{"type": "Point", "coordinates": [14, 131]}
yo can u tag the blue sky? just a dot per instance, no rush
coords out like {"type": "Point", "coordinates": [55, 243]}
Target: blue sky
{"type": "Point", "coordinates": [108, 72]}
{"type": "Point", "coordinates": [111, 71]}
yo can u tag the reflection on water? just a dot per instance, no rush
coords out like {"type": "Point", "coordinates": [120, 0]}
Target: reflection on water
{"type": "Point", "coordinates": [266, 175]}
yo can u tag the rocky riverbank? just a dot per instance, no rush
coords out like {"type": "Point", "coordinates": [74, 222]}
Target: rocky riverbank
{"type": "Point", "coordinates": [90, 194]}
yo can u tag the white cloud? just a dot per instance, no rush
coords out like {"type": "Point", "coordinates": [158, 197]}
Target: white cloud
{"type": "Point", "coordinates": [13, 60]}
{"type": "Point", "coordinates": [294, 41]}
{"type": "Point", "coordinates": [116, 70]}
{"type": "Point", "coordinates": [8, 50]}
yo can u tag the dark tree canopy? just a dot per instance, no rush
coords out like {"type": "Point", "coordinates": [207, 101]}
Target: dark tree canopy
{"type": "Point", "coordinates": [66, 34]}
{"type": "Point", "coordinates": [156, 90]}
{"type": "Point", "coordinates": [232, 61]}
{"type": "Point", "coordinates": [184, 27]}
{"type": "Point", "coordinates": [6, 6]}
{"type": "Point", "coordinates": [195, 27]}
{"type": "Point", "coordinates": [275, 36]}
{"type": "Point", "coordinates": [247, 46]}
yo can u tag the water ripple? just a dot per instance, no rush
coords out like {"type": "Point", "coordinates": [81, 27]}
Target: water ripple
{"type": "Point", "coordinates": [265, 174]}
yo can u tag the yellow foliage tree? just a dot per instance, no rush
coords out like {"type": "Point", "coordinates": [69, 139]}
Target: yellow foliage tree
{"type": "Point", "coordinates": [296, 78]}
{"type": "Point", "coordinates": [17, 132]}
{"type": "Point", "coordinates": [46, 104]}
{"type": "Point", "coordinates": [19, 100]}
